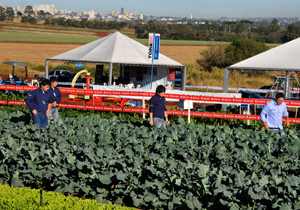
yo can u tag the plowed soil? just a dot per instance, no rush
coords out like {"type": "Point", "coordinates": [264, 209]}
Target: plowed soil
{"type": "Point", "coordinates": [39, 52]}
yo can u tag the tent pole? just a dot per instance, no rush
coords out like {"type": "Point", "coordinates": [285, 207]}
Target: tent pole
{"type": "Point", "coordinates": [110, 73]}
{"type": "Point", "coordinates": [225, 86]}
{"type": "Point", "coordinates": [287, 87]}
{"type": "Point", "coordinates": [46, 68]}
{"type": "Point", "coordinates": [183, 77]}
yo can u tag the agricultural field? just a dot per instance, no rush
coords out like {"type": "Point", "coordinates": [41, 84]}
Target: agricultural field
{"type": "Point", "coordinates": [187, 166]}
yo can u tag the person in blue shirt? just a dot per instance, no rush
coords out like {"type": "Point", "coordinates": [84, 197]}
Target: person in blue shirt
{"type": "Point", "coordinates": [158, 108]}
{"type": "Point", "coordinates": [39, 103]}
{"type": "Point", "coordinates": [54, 91]}
{"type": "Point", "coordinates": [272, 114]}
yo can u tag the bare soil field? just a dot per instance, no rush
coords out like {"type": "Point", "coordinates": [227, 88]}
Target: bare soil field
{"type": "Point", "coordinates": [39, 52]}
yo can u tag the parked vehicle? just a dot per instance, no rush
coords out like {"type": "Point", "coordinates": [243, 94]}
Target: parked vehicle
{"type": "Point", "coordinates": [244, 107]}
{"type": "Point", "coordinates": [55, 73]}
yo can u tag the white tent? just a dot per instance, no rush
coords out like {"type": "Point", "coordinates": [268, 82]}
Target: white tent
{"type": "Point", "coordinates": [282, 58]}
{"type": "Point", "coordinates": [116, 49]}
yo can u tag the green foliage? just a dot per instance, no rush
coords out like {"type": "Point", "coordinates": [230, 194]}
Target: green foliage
{"type": "Point", "coordinates": [26, 198]}
{"type": "Point", "coordinates": [186, 166]}
{"type": "Point", "coordinates": [242, 49]}
{"type": "Point", "coordinates": [214, 56]}
{"type": "Point", "coordinates": [238, 50]}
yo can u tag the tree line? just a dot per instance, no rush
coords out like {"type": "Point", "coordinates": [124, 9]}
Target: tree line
{"type": "Point", "coordinates": [227, 31]}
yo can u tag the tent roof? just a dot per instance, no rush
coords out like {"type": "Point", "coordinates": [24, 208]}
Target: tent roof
{"type": "Point", "coordinates": [115, 48]}
{"type": "Point", "coordinates": [284, 57]}
{"type": "Point", "coordinates": [15, 63]}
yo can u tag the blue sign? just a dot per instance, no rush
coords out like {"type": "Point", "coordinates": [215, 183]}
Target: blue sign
{"type": "Point", "coordinates": [156, 46]}
{"type": "Point", "coordinates": [78, 65]}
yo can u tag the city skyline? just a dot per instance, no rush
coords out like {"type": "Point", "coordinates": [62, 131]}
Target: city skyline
{"type": "Point", "coordinates": [198, 8]}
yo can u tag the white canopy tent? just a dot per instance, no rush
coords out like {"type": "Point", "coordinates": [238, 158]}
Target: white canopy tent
{"type": "Point", "coordinates": [117, 49]}
{"type": "Point", "coordinates": [282, 58]}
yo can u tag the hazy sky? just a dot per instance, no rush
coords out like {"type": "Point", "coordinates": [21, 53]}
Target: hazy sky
{"type": "Point", "coordinates": [179, 8]}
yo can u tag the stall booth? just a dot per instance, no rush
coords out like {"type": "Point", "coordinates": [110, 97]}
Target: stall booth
{"type": "Point", "coordinates": [131, 56]}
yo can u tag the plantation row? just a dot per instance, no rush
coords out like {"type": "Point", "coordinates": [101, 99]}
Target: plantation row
{"type": "Point", "coordinates": [187, 166]}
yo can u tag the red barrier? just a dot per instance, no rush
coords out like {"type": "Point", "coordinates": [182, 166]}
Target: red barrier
{"type": "Point", "coordinates": [141, 110]}
{"type": "Point", "coordinates": [129, 93]}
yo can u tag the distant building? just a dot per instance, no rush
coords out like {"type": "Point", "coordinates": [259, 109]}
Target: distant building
{"type": "Point", "coordinates": [62, 11]}
{"type": "Point", "coordinates": [91, 14]}
{"type": "Point", "coordinates": [134, 13]}
{"type": "Point", "coordinates": [52, 10]}
{"type": "Point", "coordinates": [66, 11]}
{"type": "Point", "coordinates": [69, 11]}
{"type": "Point", "coordinates": [35, 8]}
{"type": "Point", "coordinates": [191, 17]}
{"type": "Point", "coordinates": [112, 12]}
{"type": "Point", "coordinates": [141, 16]}
{"type": "Point", "coordinates": [127, 14]}
{"type": "Point", "coordinates": [42, 7]}
{"type": "Point", "coordinates": [123, 11]}
{"type": "Point", "coordinates": [47, 8]}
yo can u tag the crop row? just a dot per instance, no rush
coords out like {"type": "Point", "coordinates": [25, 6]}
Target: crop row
{"type": "Point", "coordinates": [186, 166]}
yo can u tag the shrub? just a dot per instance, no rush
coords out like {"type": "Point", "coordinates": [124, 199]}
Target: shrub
{"type": "Point", "coordinates": [26, 198]}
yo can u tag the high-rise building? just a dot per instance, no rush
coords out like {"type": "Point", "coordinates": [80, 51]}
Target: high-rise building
{"type": "Point", "coordinates": [35, 8]}
{"type": "Point", "coordinates": [134, 13]}
{"type": "Point", "coordinates": [62, 11]}
{"type": "Point", "coordinates": [52, 10]}
{"type": "Point", "coordinates": [123, 11]}
{"type": "Point", "coordinates": [141, 16]}
{"type": "Point", "coordinates": [47, 8]}
{"type": "Point", "coordinates": [66, 11]}
{"type": "Point", "coordinates": [92, 14]}
{"type": "Point", "coordinates": [42, 7]}
{"type": "Point", "coordinates": [191, 17]}
{"type": "Point", "coordinates": [69, 11]}
{"type": "Point", "coordinates": [112, 12]}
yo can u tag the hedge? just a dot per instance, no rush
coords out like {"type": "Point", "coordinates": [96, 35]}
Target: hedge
{"type": "Point", "coordinates": [26, 198]}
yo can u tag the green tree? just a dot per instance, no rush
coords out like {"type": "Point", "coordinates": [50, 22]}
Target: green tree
{"type": "Point", "coordinates": [25, 19]}
{"type": "Point", "coordinates": [292, 32]}
{"type": "Point", "coordinates": [69, 22]}
{"type": "Point", "coordinates": [54, 21]}
{"type": "Point", "coordinates": [32, 20]}
{"type": "Point", "coordinates": [76, 23]}
{"type": "Point", "coordinates": [241, 49]}
{"type": "Point", "coordinates": [274, 26]}
{"type": "Point", "coordinates": [29, 11]}
{"type": "Point", "coordinates": [41, 14]}
{"type": "Point", "coordinates": [19, 14]}
{"type": "Point", "coordinates": [10, 13]}
{"type": "Point", "coordinates": [47, 21]}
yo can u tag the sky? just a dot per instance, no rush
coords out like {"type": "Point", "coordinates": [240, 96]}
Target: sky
{"type": "Point", "coordinates": [178, 8]}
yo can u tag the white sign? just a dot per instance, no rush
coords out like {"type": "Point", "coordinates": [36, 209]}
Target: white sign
{"type": "Point", "coordinates": [150, 47]}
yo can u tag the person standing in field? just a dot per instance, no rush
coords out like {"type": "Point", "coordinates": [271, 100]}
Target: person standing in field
{"type": "Point", "coordinates": [272, 114]}
{"type": "Point", "coordinates": [39, 103]}
{"type": "Point", "coordinates": [54, 91]}
{"type": "Point", "coordinates": [158, 108]}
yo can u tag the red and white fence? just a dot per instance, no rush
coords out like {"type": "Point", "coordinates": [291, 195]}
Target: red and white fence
{"type": "Point", "coordinates": [131, 94]}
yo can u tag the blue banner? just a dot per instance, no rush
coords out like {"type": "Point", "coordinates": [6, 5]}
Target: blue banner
{"type": "Point", "coordinates": [156, 46]}
{"type": "Point", "coordinates": [78, 65]}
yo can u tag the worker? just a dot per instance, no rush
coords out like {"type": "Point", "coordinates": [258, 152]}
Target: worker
{"type": "Point", "coordinates": [272, 114]}
{"type": "Point", "coordinates": [39, 103]}
{"type": "Point", "coordinates": [158, 108]}
{"type": "Point", "coordinates": [54, 91]}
